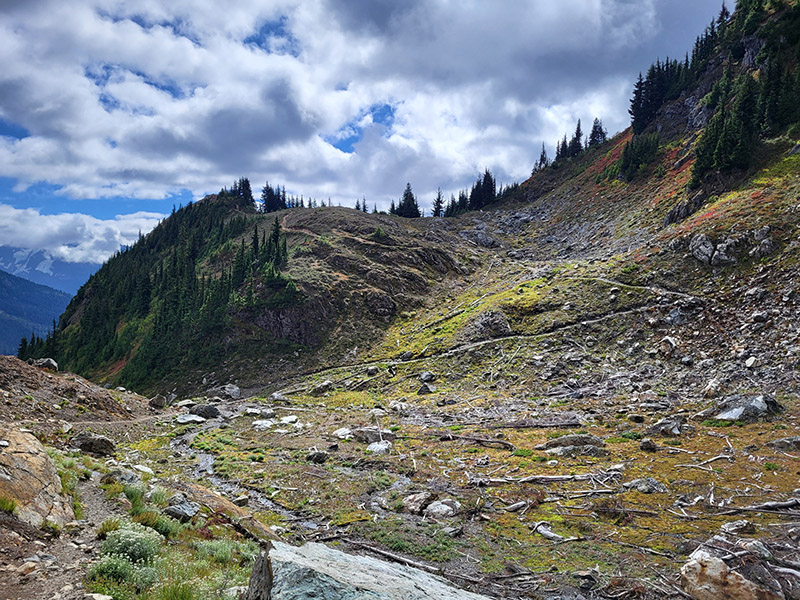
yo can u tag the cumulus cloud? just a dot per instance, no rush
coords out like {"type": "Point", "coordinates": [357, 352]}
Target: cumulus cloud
{"type": "Point", "coordinates": [144, 99]}
{"type": "Point", "coordinates": [72, 237]}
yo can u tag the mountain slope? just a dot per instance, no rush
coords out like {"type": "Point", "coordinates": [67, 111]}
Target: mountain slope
{"type": "Point", "coordinates": [26, 308]}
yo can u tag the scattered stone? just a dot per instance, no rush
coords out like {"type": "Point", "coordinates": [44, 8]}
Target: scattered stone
{"type": "Point", "coordinates": [376, 413]}
{"type": "Point", "coordinates": [416, 503]}
{"type": "Point", "coordinates": [289, 419]}
{"type": "Point", "coordinates": [648, 445]}
{"type": "Point", "coordinates": [368, 435]}
{"type": "Point", "coordinates": [144, 469]}
{"type": "Point", "coordinates": [158, 402]}
{"type": "Point", "coordinates": [687, 360]}
{"type": "Point", "coordinates": [322, 388]}
{"type": "Point", "coordinates": [93, 443]}
{"type": "Point", "coordinates": [316, 571]}
{"type": "Point", "coordinates": [372, 371]}
{"type": "Point", "coordinates": [426, 388]}
{"type": "Point", "coordinates": [751, 362]}
{"type": "Point", "coordinates": [747, 408]}
{"type": "Point", "coordinates": [189, 418]}
{"type": "Point", "coordinates": [760, 317]}
{"type": "Point", "coordinates": [701, 248]}
{"type": "Point", "coordinates": [636, 418]}
{"type": "Point", "coordinates": [407, 355]}
{"type": "Point", "coordinates": [279, 397]}
{"type": "Point", "coordinates": [707, 577]}
{"type": "Point", "coordinates": [241, 500]}
{"type": "Point", "coordinates": [27, 568]}
{"type": "Point", "coordinates": [97, 597]}
{"type": "Point", "coordinates": [571, 451]}
{"type": "Point", "coordinates": [317, 457]}
{"type": "Point", "coordinates": [742, 526]}
{"type": "Point", "coordinates": [427, 377]}
{"type": "Point", "coordinates": [645, 485]}
{"type": "Point", "coordinates": [206, 411]}
{"type": "Point", "coordinates": [442, 509]}
{"type": "Point", "coordinates": [252, 412]}
{"type": "Point", "coordinates": [380, 447]}
{"type": "Point", "coordinates": [400, 407]}
{"type": "Point", "coordinates": [262, 424]}
{"type": "Point", "coordinates": [268, 413]}
{"type": "Point", "coordinates": [343, 433]}
{"type": "Point", "coordinates": [120, 476]}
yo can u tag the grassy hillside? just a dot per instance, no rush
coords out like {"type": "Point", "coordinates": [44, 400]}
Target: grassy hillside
{"type": "Point", "coordinates": [26, 308]}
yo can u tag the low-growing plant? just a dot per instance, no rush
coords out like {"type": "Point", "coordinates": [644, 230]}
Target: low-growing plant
{"type": "Point", "coordinates": [107, 526]}
{"type": "Point", "coordinates": [7, 505]}
{"type": "Point", "coordinates": [771, 466]}
{"type": "Point", "coordinates": [525, 452]}
{"type": "Point", "coordinates": [113, 567]}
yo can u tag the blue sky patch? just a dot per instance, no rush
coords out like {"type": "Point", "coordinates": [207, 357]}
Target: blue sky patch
{"type": "Point", "coordinates": [9, 129]}
{"type": "Point", "coordinates": [275, 37]}
{"type": "Point", "coordinates": [348, 136]}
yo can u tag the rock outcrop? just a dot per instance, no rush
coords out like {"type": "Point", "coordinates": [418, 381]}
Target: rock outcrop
{"type": "Point", "coordinates": [28, 476]}
{"type": "Point", "coordinates": [316, 571]}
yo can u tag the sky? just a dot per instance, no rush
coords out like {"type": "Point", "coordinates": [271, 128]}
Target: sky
{"type": "Point", "coordinates": [113, 111]}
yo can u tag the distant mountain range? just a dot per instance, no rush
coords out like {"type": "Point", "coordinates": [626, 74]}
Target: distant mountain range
{"type": "Point", "coordinates": [38, 266]}
{"type": "Point", "coordinates": [25, 308]}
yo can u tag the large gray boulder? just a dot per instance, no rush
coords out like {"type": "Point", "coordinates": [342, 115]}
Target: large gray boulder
{"type": "Point", "coordinates": [93, 443]}
{"type": "Point", "coordinates": [316, 571]}
{"type": "Point", "coordinates": [747, 408]}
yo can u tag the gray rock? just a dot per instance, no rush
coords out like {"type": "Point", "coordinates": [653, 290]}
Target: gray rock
{"type": "Point", "coordinates": [187, 419]}
{"type": "Point", "coordinates": [747, 408]}
{"type": "Point", "coordinates": [368, 435]}
{"type": "Point", "coordinates": [279, 397]}
{"type": "Point", "coordinates": [789, 444]}
{"type": "Point", "coordinates": [268, 413]}
{"type": "Point", "coordinates": [573, 439]}
{"type": "Point", "coordinates": [121, 476]}
{"type": "Point", "coordinates": [242, 500]}
{"type": "Point", "coordinates": [262, 424]}
{"type": "Point", "coordinates": [426, 388]}
{"type": "Point", "coordinates": [416, 503]}
{"type": "Point", "coordinates": [372, 371]}
{"type": "Point", "coordinates": [206, 411]}
{"type": "Point", "coordinates": [740, 527]}
{"type": "Point", "coordinates": [383, 447]}
{"type": "Point", "coordinates": [316, 571]}
{"type": "Point", "coordinates": [427, 377]}
{"type": "Point", "coordinates": [344, 433]}
{"type": "Point", "coordinates": [317, 456]}
{"type": "Point", "coordinates": [645, 485]}
{"type": "Point", "coordinates": [322, 388]}
{"type": "Point", "coordinates": [93, 443]}
{"type": "Point", "coordinates": [46, 363]}
{"type": "Point", "coordinates": [570, 451]}
{"type": "Point", "coordinates": [701, 248]}
{"type": "Point", "coordinates": [158, 401]}
{"type": "Point", "coordinates": [232, 391]}
{"type": "Point", "coordinates": [648, 445]}
{"type": "Point", "coordinates": [181, 508]}
{"type": "Point", "coordinates": [442, 509]}
{"type": "Point", "coordinates": [667, 426]}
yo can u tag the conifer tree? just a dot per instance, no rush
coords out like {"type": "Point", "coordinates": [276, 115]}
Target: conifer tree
{"type": "Point", "coordinates": [438, 203]}
{"type": "Point", "coordinates": [597, 135]}
{"type": "Point", "coordinates": [576, 144]}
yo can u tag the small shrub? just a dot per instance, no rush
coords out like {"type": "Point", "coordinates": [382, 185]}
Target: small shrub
{"type": "Point", "coordinates": [134, 541]}
{"type": "Point", "coordinates": [716, 423]}
{"type": "Point", "coordinates": [7, 505]}
{"type": "Point", "coordinates": [631, 435]}
{"type": "Point", "coordinates": [107, 526]}
{"type": "Point", "coordinates": [159, 496]}
{"type": "Point", "coordinates": [167, 526]}
{"type": "Point", "coordinates": [148, 518]}
{"type": "Point", "coordinates": [112, 567]}
{"type": "Point", "coordinates": [524, 452]}
{"type": "Point", "coordinates": [771, 466]}
{"type": "Point", "coordinates": [175, 591]}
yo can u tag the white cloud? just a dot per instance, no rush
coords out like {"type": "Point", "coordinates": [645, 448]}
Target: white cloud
{"type": "Point", "coordinates": [72, 237]}
{"type": "Point", "coordinates": [142, 99]}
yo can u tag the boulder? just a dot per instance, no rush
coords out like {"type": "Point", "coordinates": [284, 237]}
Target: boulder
{"type": "Point", "coordinates": [93, 443]}
{"type": "Point", "coordinates": [701, 248]}
{"type": "Point", "coordinates": [372, 371]}
{"type": "Point", "coordinates": [46, 363]}
{"type": "Point", "coordinates": [181, 508]}
{"type": "Point", "coordinates": [263, 424]}
{"type": "Point", "coordinates": [426, 388]}
{"type": "Point", "coordinates": [158, 401]}
{"type": "Point", "coordinates": [322, 388]}
{"type": "Point", "coordinates": [232, 391]}
{"type": "Point", "coordinates": [427, 377]}
{"type": "Point", "coordinates": [343, 433]}
{"type": "Point", "coordinates": [648, 445]}
{"type": "Point", "coordinates": [667, 426]}
{"type": "Point", "coordinates": [788, 444]}
{"type": "Point", "coordinates": [416, 503]}
{"type": "Point", "coordinates": [28, 476]}
{"type": "Point", "coordinates": [442, 509]}
{"type": "Point", "coordinates": [380, 447]}
{"type": "Point", "coordinates": [368, 435]}
{"type": "Point", "coordinates": [645, 485]}
{"type": "Point", "coordinates": [571, 451]}
{"type": "Point", "coordinates": [573, 439]}
{"type": "Point", "coordinates": [317, 457]}
{"type": "Point", "coordinates": [207, 411]}
{"type": "Point", "coordinates": [747, 408]}
{"type": "Point", "coordinates": [316, 571]}
{"type": "Point", "coordinates": [187, 419]}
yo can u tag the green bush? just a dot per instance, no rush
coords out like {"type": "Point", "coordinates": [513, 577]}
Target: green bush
{"type": "Point", "coordinates": [7, 505]}
{"type": "Point", "coordinates": [107, 526]}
